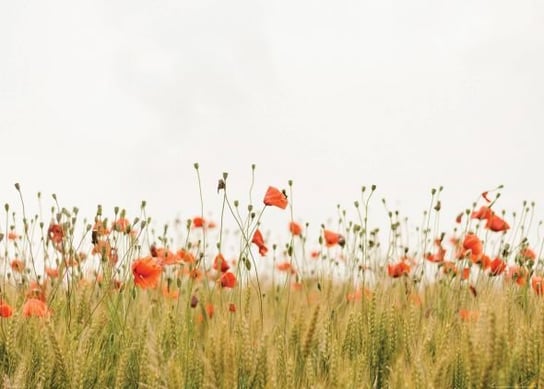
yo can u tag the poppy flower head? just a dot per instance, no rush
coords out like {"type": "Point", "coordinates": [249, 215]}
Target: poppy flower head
{"type": "Point", "coordinates": [34, 307]}
{"type": "Point", "coordinates": [147, 272]}
{"type": "Point", "coordinates": [295, 229]}
{"type": "Point", "coordinates": [275, 197]}
{"type": "Point", "coordinates": [17, 265]}
{"type": "Point", "coordinates": [398, 270]}
{"type": "Point", "coordinates": [473, 244]}
{"type": "Point", "coordinates": [537, 283]}
{"type": "Point", "coordinates": [333, 238]}
{"type": "Point", "coordinates": [5, 309]}
{"type": "Point", "coordinates": [497, 267]}
{"type": "Point", "coordinates": [483, 213]}
{"type": "Point", "coordinates": [228, 280]}
{"type": "Point", "coordinates": [219, 263]}
{"type": "Point", "coordinates": [55, 233]}
{"type": "Point", "coordinates": [259, 241]}
{"type": "Point", "coordinates": [496, 224]}
{"type": "Point", "coordinates": [199, 222]}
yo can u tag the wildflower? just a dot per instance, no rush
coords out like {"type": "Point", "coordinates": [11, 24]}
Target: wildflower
{"type": "Point", "coordinates": [186, 256]}
{"type": "Point", "coordinates": [228, 280]}
{"type": "Point", "coordinates": [528, 254]}
{"type": "Point", "coordinates": [36, 290]}
{"type": "Point", "coordinates": [121, 225]}
{"type": "Point", "coordinates": [518, 274]}
{"type": "Point", "coordinates": [210, 310]}
{"type": "Point", "coordinates": [259, 241]}
{"type": "Point", "coordinates": [467, 315]}
{"type": "Point", "coordinates": [199, 222]}
{"type": "Point", "coordinates": [164, 256]}
{"type": "Point", "coordinates": [17, 265]}
{"type": "Point", "coordinates": [483, 213]}
{"type": "Point", "coordinates": [285, 267]}
{"type": "Point", "coordinates": [55, 233]}
{"type": "Point", "coordinates": [333, 238]}
{"type": "Point", "coordinates": [13, 236]}
{"type": "Point", "coordinates": [295, 229]}
{"type": "Point", "coordinates": [537, 283]}
{"type": "Point", "coordinates": [219, 263]}
{"type": "Point", "coordinates": [440, 254]}
{"type": "Point", "coordinates": [5, 309]}
{"type": "Point", "coordinates": [35, 307]}
{"type": "Point", "coordinates": [276, 198]}
{"type": "Point", "coordinates": [232, 307]}
{"type": "Point", "coordinates": [473, 244]}
{"type": "Point", "coordinates": [52, 272]}
{"type": "Point", "coordinates": [147, 272]}
{"type": "Point", "coordinates": [497, 267]}
{"type": "Point", "coordinates": [399, 269]}
{"type": "Point", "coordinates": [496, 224]}
{"type": "Point", "coordinates": [449, 268]}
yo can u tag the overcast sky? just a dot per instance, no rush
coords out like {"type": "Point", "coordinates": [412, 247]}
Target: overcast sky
{"type": "Point", "coordinates": [112, 102]}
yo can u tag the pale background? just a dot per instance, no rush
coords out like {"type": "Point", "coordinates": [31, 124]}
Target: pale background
{"type": "Point", "coordinates": [112, 102]}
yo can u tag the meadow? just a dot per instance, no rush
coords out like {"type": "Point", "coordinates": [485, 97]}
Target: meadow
{"type": "Point", "coordinates": [110, 302]}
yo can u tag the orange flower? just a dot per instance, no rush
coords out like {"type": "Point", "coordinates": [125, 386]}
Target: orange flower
{"type": "Point", "coordinates": [185, 256]}
{"type": "Point", "coordinates": [228, 280]}
{"type": "Point", "coordinates": [399, 269]}
{"type": "Point", "coordinates": [121, 225]}
{"type": "Point", "coordinates": [259, 241]}
{"type": "Point", "coordinates": [537, 284]}
{"type": "Point", "coordinates": [474, 244]}
{"type": "Point", "coordinates": [5, 309]}
{"type": "Point", "coordinates": [199, 222]}
{"type": "Point", "coordinates": [12, 236]}
{"type": "Point", "coordinates": [35, 307]}
{"type": "Point", "coordinates": [440, 254]}
{"type": "Point", "coordinates": [496, 224]}
{"type": "Point", "coordinates": [55, 233]}
{"type": "Point", "coordinates": [295, 229]}
{"type": "Point", "coordinates": [482, 214]}
{"type": "Point", "coordinates": [497, 267]}
{"type": "Point", "coordinates": [100, 229]}
{"type": "Point", "coordinates": [528, 253]}
{"type": "Point", "coordinates": [169, 292]}
{"type": "Point", "coordinates": [276, 198]}
{"type": "Point", "coordinates": [449, 268]}
{"type": "Point", "coordinates": [17, 265]}
{"type": "Point", "coordinates": [164, 256]}
{"type": "Point", "coordinates": [333, 238]}
{"type": "Point", "coordinates": [36, 290]}
{"type": "Point", "coordinates": [518, 274]}
{"type": "Point", "coordinates": [286, 267]}
{"type": "Point", "coordinates": [210, 310]}
{"type": "Point", "coordinates": [52, 272]}
{"type": "Point", "coordinates": [467, 315]}
{"type": "Point", "coordinates": [147, 272]}
{"type": "Point", "coordinates": [232, 307]}
{"type": "Point", "coordinates": [219, 263]}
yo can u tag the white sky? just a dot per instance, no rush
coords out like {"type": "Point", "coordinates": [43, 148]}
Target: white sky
{"type": "Point", "coordinates": [112, 102]}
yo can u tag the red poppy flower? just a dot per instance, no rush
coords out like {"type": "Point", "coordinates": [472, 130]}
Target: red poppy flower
{"type": "Point", "coordinates": [439, 255]}
{"type": "Point", "coordinates": [474, 244]}
{"type": "Point", "coordinates": [497, 267]}
{"type": "Point", "coordinates": [399, 269]}
{"type": "Point", "coordinates": [219, 263]}
{"type": "Point", "coordinates": [52, 272]}
{"type": "Point", "coordinates": [55, 233]}
{"type": "Point", "coordinates": [199, 222]}
{"type": "Point", "coordinates": [232, 307]}
{"type": "Point", "coordinates": [147, 272]}
{"type": "Point", "coordinates": [121, 225]}
{"type": "Point", "coordinates": [496, 224]}
{"type": "Point", "coordinates": [5, 309]}
{"type": "Point", "coordinates": [333, 238]}
{"type": "Point", "coordinates": [17, 265]}
{"type": "Point", "coordinates": [228, 280]}
{"type": "Point", "coordinates": [518, 274]}
{"type": "Point", "coordinates": [483, 213]}
{"type": "Point", "coordinates": [35, 307]}
{"type": "Point", "coordinates": [467, 315]}
{"type": "Point", "coordinates": [185, 256]}
{"type": "Point", "coordinates": [537, 283]}
{"type": "Point", "coordinates": [259, 241]}
{"type": "Point", "coordinates": [276, 198]}
{"type": "Point", "coordinates": [285, 267]}
{"type": "Point", "coordinates": [528, 253]}
{"type": "Point", "coordinates": [164, 256]}
{"type": "Point", "coordinates": [295, 228]}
